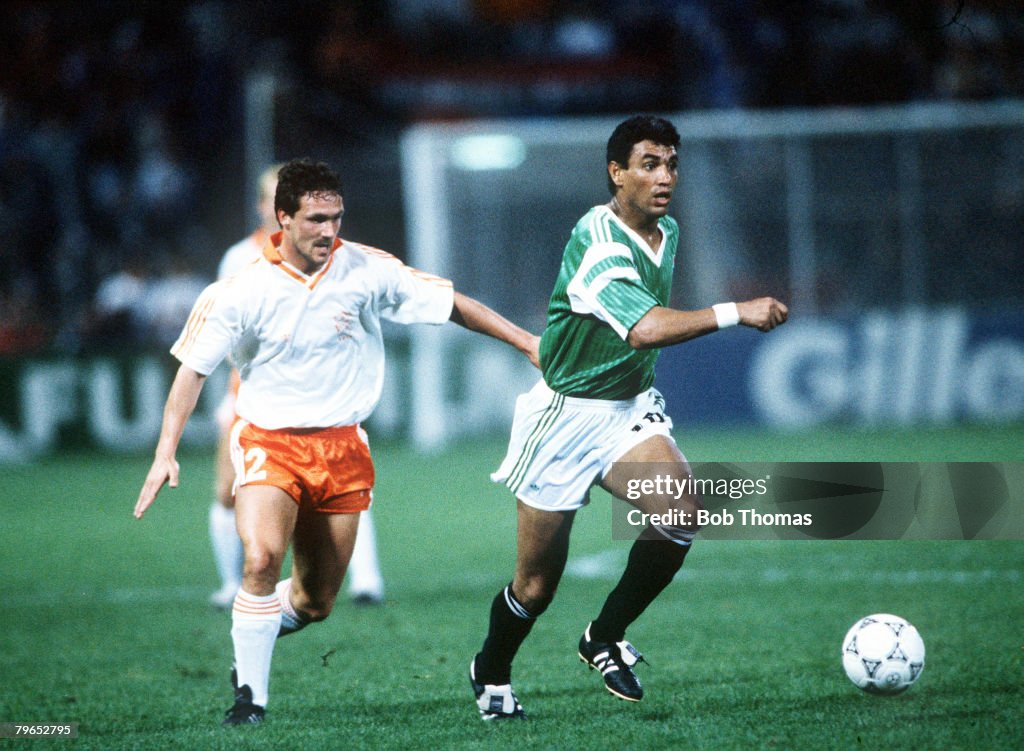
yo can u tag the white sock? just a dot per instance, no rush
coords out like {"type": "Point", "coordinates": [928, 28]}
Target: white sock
{"type": "Point", "coordinates": [291, 621]}
{"type": "Point", "coordinates": [364, 576]}
{"type": "Point", "coordinates": [227, 546]}
{"type": "Point", "coordinates": [255, 622]}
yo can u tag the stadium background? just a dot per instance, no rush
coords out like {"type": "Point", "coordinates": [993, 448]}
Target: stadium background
{"type": "Point", "coordinates": [863, 160]}
{"type": "Point", "coordinates": [859, 160]}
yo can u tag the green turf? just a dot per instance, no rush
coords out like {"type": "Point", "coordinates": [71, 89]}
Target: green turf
{"type": "Point", "coordinates": [105, 623]}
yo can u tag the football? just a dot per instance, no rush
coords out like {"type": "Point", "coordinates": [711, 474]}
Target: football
{"type": "Point", "coordinates": [883, 654]}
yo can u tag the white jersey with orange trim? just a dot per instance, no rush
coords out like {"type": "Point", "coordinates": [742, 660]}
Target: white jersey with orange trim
{"type": "Point", "coordinates": [242, 253]}
{"type": "Point", "coordinates": [309, 348]}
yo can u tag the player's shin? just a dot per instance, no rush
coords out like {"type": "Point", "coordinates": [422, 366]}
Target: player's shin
{"type": "Point", "coordinates": [510, 624]}
{"type": "Point", "coordinates": [255, 622]}
{"type": "Point", "coordinates": [653, 561]}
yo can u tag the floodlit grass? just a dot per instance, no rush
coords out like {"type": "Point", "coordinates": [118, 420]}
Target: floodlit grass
{"type": "Point", "coordinates": [105, 621]}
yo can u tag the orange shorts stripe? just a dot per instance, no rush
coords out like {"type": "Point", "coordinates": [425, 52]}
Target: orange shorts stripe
{"type": "Point", "coordinates": [325, 469]}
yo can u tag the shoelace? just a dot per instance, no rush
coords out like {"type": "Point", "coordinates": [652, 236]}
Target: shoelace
{"type": "Point", "coordinates": [625, 646]}
{"type": "Point", "coordinates": [607, 660]}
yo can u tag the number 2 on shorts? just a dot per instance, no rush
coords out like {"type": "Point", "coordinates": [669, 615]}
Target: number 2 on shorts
{"type": "Point", "coordinates": [255, 471]}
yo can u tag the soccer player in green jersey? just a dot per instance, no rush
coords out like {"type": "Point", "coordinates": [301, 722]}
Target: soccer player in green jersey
{"type": "Point", "coordinates": [595, 417]}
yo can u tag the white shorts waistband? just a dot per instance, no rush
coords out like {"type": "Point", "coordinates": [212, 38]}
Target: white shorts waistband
{"type": "Point", "coordinates": [579, 402]}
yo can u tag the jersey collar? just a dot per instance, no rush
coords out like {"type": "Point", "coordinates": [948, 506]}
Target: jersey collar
{"type": "Point", "coordinates": [272, 253]}
{"type": "Point", "coordinates": [654, 255]}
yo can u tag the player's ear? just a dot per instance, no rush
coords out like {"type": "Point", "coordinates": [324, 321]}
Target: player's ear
{"type": "Point", "coordinates": [283, 219]}
{"type": "Point", "coordinates": [615, 174]}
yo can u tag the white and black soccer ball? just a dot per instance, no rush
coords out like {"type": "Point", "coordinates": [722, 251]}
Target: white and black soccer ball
{"type": "Point", "coordinates": [883, 654]}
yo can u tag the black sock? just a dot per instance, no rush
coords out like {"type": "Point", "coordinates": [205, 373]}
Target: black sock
{"type": "Point", "coordinates": [651, 566]}
{"type": "Point", "coordinates": [510, 624]}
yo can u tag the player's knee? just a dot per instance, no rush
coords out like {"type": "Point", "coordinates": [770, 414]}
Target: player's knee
{"type": "Point", "coordinates": [317, 612]}
{"type": "Point", "coordinates": [262, 563]}
{"type": "Point", "coordinates": [677, 527]}
{"type": "Point", "coordinates": [678, 520]}
{"type": "Point", "coordinates": [314, 607]}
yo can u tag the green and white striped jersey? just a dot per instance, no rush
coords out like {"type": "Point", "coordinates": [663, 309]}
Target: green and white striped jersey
{"type": "Point", "coordinates": [608, 280]}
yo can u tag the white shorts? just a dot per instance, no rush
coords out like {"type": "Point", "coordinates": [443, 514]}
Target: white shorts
{"type": "Point", "coordinates": [562, 445]}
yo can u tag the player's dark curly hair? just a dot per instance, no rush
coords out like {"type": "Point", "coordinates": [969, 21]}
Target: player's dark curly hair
{"type": "Point", "coordinates": [300, 177]}
{"type": "Point", "coordinates": [634, 130]}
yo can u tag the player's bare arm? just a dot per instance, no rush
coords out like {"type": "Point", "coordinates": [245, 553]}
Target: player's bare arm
{"type": "Point", "coordinates": [662, 327]}
{"type": "Point", "coordinates": [181, 401]}
{"type": "Point", "coordinates": [475, 316]}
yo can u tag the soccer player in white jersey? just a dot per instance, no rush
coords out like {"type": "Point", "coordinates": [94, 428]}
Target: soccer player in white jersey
{"type": "Point", "coordinates": [303, 326]}
{"type": "Point", "coordinates": [595, 418]}
{"type": "Point", "coordinates": [365, 581]}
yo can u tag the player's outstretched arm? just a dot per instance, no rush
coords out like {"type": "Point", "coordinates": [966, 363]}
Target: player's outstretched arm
{"type": "Point", "coordinates": [475, 316]}
{"type": "Point", "coordinates": [662, 327]}
{"type": "Point", "coordinates": [181, 401]}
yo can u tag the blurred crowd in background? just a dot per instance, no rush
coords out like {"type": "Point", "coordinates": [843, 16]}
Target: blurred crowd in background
{"type": "Point", "coordinates": [121, 154]}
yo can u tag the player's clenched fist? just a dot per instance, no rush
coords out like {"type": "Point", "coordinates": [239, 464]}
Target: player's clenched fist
{"type": "Point", "coordinates": [763, 313]}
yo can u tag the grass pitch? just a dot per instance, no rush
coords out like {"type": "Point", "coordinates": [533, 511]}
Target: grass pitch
{"type": "Point", "coordinates": [105, 621]}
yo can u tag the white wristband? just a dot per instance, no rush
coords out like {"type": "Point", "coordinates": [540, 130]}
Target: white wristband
{"type": "Point", "coordinates": [726, 313]}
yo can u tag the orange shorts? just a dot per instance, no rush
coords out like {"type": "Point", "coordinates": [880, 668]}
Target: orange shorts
{"type": "Point", "coordinates": [325, 469]}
